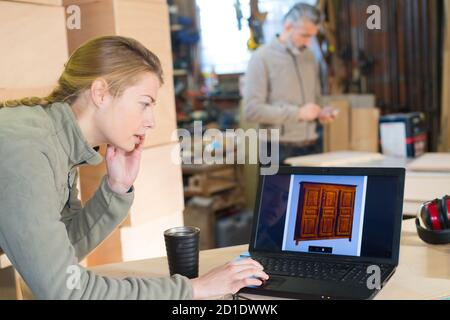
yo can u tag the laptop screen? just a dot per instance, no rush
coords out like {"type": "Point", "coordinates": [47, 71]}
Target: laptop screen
{"type": "Point", "coordinates": [329, 214]}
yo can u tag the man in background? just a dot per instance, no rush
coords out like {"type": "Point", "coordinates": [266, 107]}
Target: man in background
{"type": "Point", "coordinates": [282, 86]}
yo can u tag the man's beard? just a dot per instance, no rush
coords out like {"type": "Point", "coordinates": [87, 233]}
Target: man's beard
{"type": "Point", "coordinates": [294, 49]}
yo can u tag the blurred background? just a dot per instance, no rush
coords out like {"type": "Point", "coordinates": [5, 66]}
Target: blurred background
{"type": "Point", "coordinates": [205, 45]}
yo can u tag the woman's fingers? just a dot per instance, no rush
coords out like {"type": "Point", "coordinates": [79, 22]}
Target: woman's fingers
{"type": "Point", "coordinates": [247, 261]}
{"type": "Point", "coordinates": [236, 269]}
{"type": "Point", "coordinates": [250, 282]}
{"type": "Point", "coordinates": [249, 273]}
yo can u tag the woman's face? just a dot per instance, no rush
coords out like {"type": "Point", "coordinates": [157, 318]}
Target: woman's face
{"type": "Point", "coordinates": [125, 119]}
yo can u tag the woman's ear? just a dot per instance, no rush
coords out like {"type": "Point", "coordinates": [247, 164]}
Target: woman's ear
{"type": "Point", "coordinates": [99, 91]}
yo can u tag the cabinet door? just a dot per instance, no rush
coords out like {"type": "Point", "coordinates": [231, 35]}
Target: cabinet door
{"type": "Point", "coordinates": [309, 212]}
{"type": "Point", "coordinates": [330, 202]}
{"type": "Point", "coordinates": [345, 214]}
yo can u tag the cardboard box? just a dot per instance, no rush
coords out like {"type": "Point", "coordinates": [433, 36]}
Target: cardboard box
{"type": "Point", "coordinates": [147, 241]}
{"type": "Point", "coordinates": [42, 2]}
{"type": "Point", "coordinates": [355, 100]}
{"type": "Point", "coordinates": [9, 284]}
{"type": "Point", "coordinates": [147, 22]}
{"type": "Point", "coordinates": [364, 129]}
{"type": "Point", "coordinates": [34, 45]}
{"type": "Point", "coordinates": [109, 251]}
{"type": "Point", "coordinates": [356, 127]}
{"type": "Point", "coordinates": [159, 186]}
{"type": "Point", "coordinates": [337, 134]}
{"type": "Point", "coordinates": [17, 93]}
{"type": "Point", "coordinates": [158, 204]}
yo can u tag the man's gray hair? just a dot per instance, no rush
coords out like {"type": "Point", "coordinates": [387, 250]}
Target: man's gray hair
{"type": "Point", "coordinates": [301, 12]}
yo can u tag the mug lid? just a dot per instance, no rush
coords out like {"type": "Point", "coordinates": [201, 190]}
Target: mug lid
{"type": "Point", "coordinates": [181, 231]}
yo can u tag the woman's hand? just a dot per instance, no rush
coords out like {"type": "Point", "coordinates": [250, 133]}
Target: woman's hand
{"type": "Point", "coordinates": [123, 167]}
{"type": "Point", "coordinates": [228, 279]}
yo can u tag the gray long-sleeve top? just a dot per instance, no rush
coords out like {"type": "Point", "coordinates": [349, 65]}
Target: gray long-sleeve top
{"type": "Point", "coordinates": [274, 91]}
{"type": "Point", "coordinates": [44, 230]}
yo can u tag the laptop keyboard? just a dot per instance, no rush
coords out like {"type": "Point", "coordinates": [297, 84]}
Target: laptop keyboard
{"type": "Point", "coordinates": [340, 272]}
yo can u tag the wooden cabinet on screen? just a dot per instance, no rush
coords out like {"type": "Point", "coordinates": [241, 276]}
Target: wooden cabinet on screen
{"type": "Point", "coordinates": [325, 211]}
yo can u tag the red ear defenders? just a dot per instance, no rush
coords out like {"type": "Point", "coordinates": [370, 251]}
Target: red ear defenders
{"type": "Point", "coordinates": [433, 222]}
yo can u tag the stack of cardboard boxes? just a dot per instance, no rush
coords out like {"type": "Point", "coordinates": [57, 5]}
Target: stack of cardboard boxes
{"type": "Point", "coordinates": [36, 44]}
{"type": "Point", "coordinates": [357, 125]}
{"type": "Point", "coordinates": [33, 51]}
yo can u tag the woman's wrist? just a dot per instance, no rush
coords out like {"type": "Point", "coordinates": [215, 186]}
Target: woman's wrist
{"type": "Point", "coordinates": [117, 187]}
{"type": "Point", "coordinates": [195, 288]}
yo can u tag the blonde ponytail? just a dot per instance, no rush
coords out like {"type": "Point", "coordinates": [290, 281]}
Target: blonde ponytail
{"type": "Point", "coordinates": [119, 60]}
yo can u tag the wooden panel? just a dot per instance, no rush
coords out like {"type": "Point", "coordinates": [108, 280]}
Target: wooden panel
{"type": "Point", "coordinates": [109, 251]}
{"type": "Point", "coordinates": [307, 225]}
{"type": "Point", "coordinates": [334, 159]}
{"type": "Point", "coordinates": [147, 240]}
{"type": "Point", "coordinates": [431, 162]}
{"type": "Point", "coordinates": [365, 129]}
{"type": "Point", "coordinates": [147, 22]}
{"type": "Point", "coordinates": [445, 120]}
{"type": "Point", "coordinates": [7, 94]}
{"type": "Point", "coordinates": [329, 207]}
{"type": "Point", "coordinates": [42, 2]}
{"type": "Point", "coordinates": [325, 211]}
{"type": "Point", "coordinates": [158, 193]}
{"type": "Point", "coordinates": [97, 19]}
{"type": "Point", "coordinates": [9, 285]}
{"type": "Point", "coordinates": [437, 184]}
{"type": "Point", "coordinates": [337, 134]}
{"type": "Point", "coordinates": [345, 213]}
{"type": "Point", "coordinates": [400, 63]}
{"type": "Point", "coordinates": [159, 185]}
{"type": "Point", "coordinates": [153, 31]}
{"type": "Point", "coordinates": [34, 45]}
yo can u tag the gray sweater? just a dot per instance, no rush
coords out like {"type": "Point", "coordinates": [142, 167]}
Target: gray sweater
{"type": "Point", "coordinates": [274, 91]}
{"type": "Point", "coordinates": [44, 230]}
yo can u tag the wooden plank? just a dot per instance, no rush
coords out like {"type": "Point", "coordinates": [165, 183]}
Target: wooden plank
{"type": "Point", "coordinates": [18, 93]}
{"type": "Point", "coordinates": [445, 118]}
{"type": "Point", "coordinates": [334, 159]}
{"type": "Point", "coordinates": [159, 185]}
{"type": "Point", "coordinates": [431, 162]}
{"type": "Point", "coordinates": [147, 240]}
{"type": "Point", "coordinates": [97, 19]}
{"type": "Point", "coordinates": [365, 129]}
{"type": "Point", "coordinates": [42, 2]}
{"type": "Point", "coordinates": [109, 251]}
{"type": "Point", "coordinates": [337, 134]}
{"type": "Point", "coordinates": [153, 31]}
{"type": "Point", "coordinates": [147, 22]}
{"type": "Point", "coordinates": [34, 45]}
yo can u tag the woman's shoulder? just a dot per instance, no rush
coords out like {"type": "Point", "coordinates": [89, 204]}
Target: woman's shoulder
{"type": "Point", "coordinates": [24, 132]}
{"type": "Point", "coordinates": [24, 123]}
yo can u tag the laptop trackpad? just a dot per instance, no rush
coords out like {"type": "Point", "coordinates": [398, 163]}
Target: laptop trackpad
{"type": "Point", "coordinates": [274, 283]}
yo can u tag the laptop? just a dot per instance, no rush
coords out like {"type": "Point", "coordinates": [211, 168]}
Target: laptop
{"type": "Point", "coordinates": [327, 233]}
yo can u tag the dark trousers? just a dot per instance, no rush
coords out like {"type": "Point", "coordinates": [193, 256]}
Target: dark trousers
{"type": "Point", "coordinates": [289, 151]}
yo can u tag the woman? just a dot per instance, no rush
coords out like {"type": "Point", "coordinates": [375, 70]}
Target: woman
{"type": "Point", "coordinates": [104, 96]}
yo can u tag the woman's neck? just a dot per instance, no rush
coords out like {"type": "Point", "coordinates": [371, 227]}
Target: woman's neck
{"type": "Point", "coordinates": [84, 114]}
